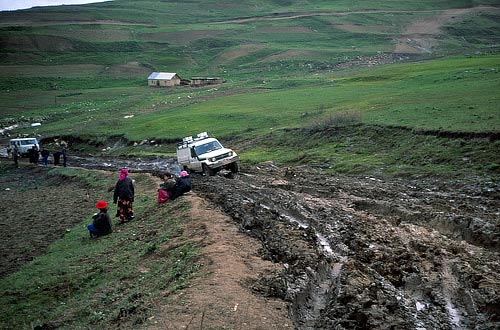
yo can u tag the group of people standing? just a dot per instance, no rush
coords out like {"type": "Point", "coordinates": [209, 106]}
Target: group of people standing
{"type": "Point", "coordinates": [123, 196]}
{"type": "Point", "coordinates": [34, 156]}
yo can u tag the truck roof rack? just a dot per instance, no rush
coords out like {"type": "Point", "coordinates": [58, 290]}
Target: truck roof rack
{"type": "Point", "coordinates": [189, 139]}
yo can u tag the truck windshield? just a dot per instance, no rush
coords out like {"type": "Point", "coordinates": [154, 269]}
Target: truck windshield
{"type": "Point", "coordinates": [27, 142]}
{"type": "Point", "coordinates": [207, 147]}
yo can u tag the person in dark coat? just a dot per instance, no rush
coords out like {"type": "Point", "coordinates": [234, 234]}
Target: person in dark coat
{"type": "Point", "coordinates": [182, 186]}
{"type": "Point", "coordinates": [45, 156]}
{"type": "Point", "coordinates": [168, 183]}
{"type": "Point", "coordinates": [15, 155]}
{"type": "Point", "coordinates": [64, 154]}
{"type": "Point", "coordinates": [57, 157]}
{"type": "Point", "coordinates": [101, 224]}
{"type": "Point", "coordinates": [124, 195]}
{"type": "Point", "coordinates": [34, 155]}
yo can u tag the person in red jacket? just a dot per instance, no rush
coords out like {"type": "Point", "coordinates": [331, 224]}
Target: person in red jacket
{"type": "Point", "coordinates": [124, 195]}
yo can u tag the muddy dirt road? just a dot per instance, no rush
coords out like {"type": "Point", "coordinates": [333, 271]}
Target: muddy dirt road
{"type": "Point", "coordinates": [366, 253]}
{"type": "Point", "coordinates": [362, 252]}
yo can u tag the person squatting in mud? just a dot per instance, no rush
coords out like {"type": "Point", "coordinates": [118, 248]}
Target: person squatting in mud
{"type": "Point", "coordinates": [166, 188]}
{"type": "Point", "coordinates": [101, 224]}
{"type": "Point", "coordinates": [124, 195]}
{"type": "Point", "coordinates": [182, 186]}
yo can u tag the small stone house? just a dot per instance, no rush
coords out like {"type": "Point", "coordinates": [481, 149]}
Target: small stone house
{"type": "Point", "coordinates": [163, 79]}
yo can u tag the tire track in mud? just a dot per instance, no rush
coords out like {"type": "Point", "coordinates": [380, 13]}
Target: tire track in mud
{"type": "Point", "coordinates": [366, 253]}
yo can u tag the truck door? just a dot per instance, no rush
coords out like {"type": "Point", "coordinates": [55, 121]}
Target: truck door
{"type": "Point", "coordinates": [194, 161]}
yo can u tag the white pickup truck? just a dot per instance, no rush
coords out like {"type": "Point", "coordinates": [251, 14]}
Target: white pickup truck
{"type": "Point", "coordinates": [205, 154]}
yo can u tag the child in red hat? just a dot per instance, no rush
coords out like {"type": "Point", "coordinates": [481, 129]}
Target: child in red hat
{"type": "Point", "coordinates": [101, 224]}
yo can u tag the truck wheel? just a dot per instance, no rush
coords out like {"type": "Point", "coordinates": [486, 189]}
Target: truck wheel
{"type": "Point", "coordinates": [234, 167]}
{"type": "Point", "coordinates": [208, 171]}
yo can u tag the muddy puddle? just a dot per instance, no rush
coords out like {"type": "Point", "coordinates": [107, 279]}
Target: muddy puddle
{"type": "Point", "coordinates": [148, 164]}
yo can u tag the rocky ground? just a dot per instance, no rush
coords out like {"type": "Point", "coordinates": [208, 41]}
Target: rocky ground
{"type": "Point", "coordinates": [341, 252]}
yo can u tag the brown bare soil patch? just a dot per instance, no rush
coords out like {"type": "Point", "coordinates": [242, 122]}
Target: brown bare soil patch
{"type": "Point", "coordinates": [94, 34]}
{"type": "Point", "coordinates": [36, 43]}
{"type": "Point", "coordinates": [26, 232]}
{"type": "Point", "coordinates": [221, 298]}
{"type": "Point", "coordinates": [128, 69]}
{"type": "Point", "coordinates": [420, 36]}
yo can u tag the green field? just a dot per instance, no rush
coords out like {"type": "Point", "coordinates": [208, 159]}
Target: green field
{"type": "Point", "coordinates": [288, 65]}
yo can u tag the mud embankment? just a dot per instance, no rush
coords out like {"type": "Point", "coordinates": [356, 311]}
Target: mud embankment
{"type": "Point", "coordinates": [366, 253]}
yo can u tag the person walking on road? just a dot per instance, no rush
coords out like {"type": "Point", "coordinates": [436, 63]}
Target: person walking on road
{"type": "Point", "coordinates": [124, 195]}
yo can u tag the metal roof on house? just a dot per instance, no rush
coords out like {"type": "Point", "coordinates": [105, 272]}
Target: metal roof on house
{"type": "Point", "coordinates": [162, 75]}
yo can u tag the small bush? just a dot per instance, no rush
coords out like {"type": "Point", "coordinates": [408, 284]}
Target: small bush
{"type": "Point", "coordinates": [151, 247]}
{"type": "Point", "coordinates": [341, 119]}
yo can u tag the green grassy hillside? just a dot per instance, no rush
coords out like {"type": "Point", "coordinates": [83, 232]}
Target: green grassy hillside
{"type": "Point", "coordinates": [401, 88]}
{"type": "Point", "coordinates": [81, 70]}
{"type": "Point", "coordinates": [76, 282]}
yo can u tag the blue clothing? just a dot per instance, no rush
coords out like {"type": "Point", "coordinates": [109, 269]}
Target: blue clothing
{"type": "Point", "coordinates": [93, 232]}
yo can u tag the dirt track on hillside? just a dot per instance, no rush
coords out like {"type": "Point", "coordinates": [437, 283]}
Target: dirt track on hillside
{"type": "Point", "coordinates": [367, 253]}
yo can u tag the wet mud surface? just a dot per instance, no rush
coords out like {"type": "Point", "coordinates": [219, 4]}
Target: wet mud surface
{"type": "Point", "coordinates": [367, 253]}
